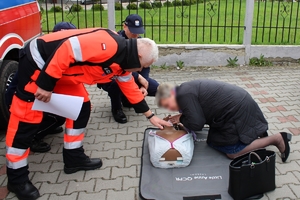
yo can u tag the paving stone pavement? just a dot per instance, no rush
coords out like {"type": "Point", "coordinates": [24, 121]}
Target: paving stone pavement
{"type": "Point", "coordinates": [277, 91]}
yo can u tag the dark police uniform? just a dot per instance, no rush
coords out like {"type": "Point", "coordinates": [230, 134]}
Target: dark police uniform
{"type": "Point", "coordinates": [115, 94]}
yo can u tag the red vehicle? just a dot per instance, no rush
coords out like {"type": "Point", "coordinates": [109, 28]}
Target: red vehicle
{"type": "Point", "coordinates": [20, 21]}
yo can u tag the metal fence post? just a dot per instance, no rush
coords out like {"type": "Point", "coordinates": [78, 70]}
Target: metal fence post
{"type": "Point", "coordinates": [248, 29]}
{"type": "Point", "coordinates": [111, 14]}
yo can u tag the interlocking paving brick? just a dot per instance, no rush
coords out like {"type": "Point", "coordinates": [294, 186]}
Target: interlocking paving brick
{"type": "Point", "coordinates": [282, 192]}
{"type": "Point", "coordinates": [115, 184]}
{"type": "Point", "coordinates": [119, 162]}
{"type": "Point", "coordinates": [254, 85]}
{"type": "Point", "coordinates": [52, 157]}
{"type": "Point", "coordinates": [98, 173]}
{"type": "Point", "coordinates": [295, 189]}
{"type": "Point", "coordinates": [259, 92]}
{"type": "Point", "coordinates": [104, 138]}
{"type": "Point", "coordinates": [132, 144]}
{"type": "Point", "coordinates": [276, 108]}
{"type": "Point", "coordinates": [35, 157]}
{"type": "Point", "coordinates": [287, 119]}
{"type": "Point", "coordinates": [44, 197]}
{"type": "Point", "coordinates": [287, 167]}
{"type": "Point", "coordinates": [102, 154]}
{"type": "Point", "coordinates": [3, 192]}
{"type": "Point", "coordinates": [78, 176]}
{"type": "Point", "coordinates": [2, 160]}
{"type": "Point", "coordinates": [92, 196]}
{"type": "Point", "coordinates": [131, 137]}
{"type": "Point", "coordinates": [126, 152]}
{"type": "Point", "coordinates": [132, 161]}
{"type": "Point", "coordinates": [64, 197]}
{"type": "Point", "coordinates": [126, 195]}
{"type": "Point", "coordinates": [45, 177]}
{"type": "Point", "coordinates": [91, 147]}
{"type": "Point", "coordinates": [130, 171]}
{"type": "Point", "coordinates": [130, 182]}
{"type": "Point", "coordinates": [3, 180]}
{"type": "Point", "coordinates": [2, 170]}
{"type": "Point", "coordinates": [59, 188]}
{"type": "Point", "coordinates": [76, 186]}
{"type": "Point", "coordinates": [117, 145]}
{"type": "Point", "coordinates": [285, 179]}
{"type": "Point", "coordinates": [265, 100]}
{"type": "Point", "coordinates": [131, 124]}
{"type": "Point", "coordinates": [247, 78]}
{"type": "Point", "coordinates": [39, 167]}
{"type": "Point", "coordinates": [89, 139]}
{"type": "Point", "coordinates": [294, 131]}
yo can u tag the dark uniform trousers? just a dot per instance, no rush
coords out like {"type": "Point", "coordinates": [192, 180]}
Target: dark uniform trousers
{"type": "Point", "coordinates": [116, 95]}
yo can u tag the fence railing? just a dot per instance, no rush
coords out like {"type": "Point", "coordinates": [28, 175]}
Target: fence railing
{"type": "Point", "coordinates": [188, 21]}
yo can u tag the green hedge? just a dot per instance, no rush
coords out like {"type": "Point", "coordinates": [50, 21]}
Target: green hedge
{"type": "Point", "coordinates": [97, 7]}
{"type": "Point", "coordinates": [56, 9]}
{"type": "Point", "coordinates": [118, 6]}
{"type": "Point", "coordinates": [157, 4]}
{"type": "Point", "coordinates": [168, 4]}
{"type": "Point", "coordinates": [132, 6]}
{"type": "Point", "coordinates": [145, 5]}
{"type": "Point", "coordinates": [76, 8]}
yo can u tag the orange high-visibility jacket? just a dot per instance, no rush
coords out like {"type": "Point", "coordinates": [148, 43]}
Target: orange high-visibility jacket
{"type": "Point", "coordinates": [90, 56]}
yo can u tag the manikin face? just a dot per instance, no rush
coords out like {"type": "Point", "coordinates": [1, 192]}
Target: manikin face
{"type": "Point", "coordinates": [169, 103]}
{"type": "Point", "coordinates": [128, 33]}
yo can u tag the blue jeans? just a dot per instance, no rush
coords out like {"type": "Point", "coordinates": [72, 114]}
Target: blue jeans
{"type": "Point", "coordinates": [230, 149]}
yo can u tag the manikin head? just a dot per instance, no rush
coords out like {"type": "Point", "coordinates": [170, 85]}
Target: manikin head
{"type": "Point", "coordinates": [166, 97]}
{"type": "Point", "coordinates": [133, 26]}
{"type": "Point", "coordinates": [147, 53]}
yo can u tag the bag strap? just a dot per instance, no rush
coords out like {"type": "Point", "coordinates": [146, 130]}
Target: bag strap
{"type": "Point", "coordinates": [253, 153]}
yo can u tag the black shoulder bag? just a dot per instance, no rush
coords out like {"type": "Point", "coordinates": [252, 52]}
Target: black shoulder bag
{"type": "Point", "coordinates": [252, 174]}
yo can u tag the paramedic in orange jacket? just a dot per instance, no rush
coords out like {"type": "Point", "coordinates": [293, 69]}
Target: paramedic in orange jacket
{"type": "Point", "coordinates": [61, 62]}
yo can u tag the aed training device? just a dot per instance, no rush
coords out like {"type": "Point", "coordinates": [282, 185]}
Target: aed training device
{"type": "Point", "coordinates": [206, 177]}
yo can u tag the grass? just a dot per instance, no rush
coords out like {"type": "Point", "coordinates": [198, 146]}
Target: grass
{"type": "Point", "coordinates": [224, 25]}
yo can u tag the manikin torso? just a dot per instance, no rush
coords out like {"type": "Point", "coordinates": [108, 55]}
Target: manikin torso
{"type": "Point", "coordinates": [171, 134]}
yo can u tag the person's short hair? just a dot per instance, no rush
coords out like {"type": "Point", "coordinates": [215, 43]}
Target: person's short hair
{"type": "Point", "coordinates": [63, 26]}
{"type": "Point", "coordinates": [148, 48]}
{"type": "Point", "coordinates": [164, 90]}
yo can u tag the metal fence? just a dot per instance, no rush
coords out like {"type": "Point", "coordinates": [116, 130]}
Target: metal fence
{"type": "Point", "coordinates": [188, 21]}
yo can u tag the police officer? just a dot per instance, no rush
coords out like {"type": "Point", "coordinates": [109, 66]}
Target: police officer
{"type": "Point", "coordinates": [132, 28]}
{"type": "Point", "coordinates": [61, 62]}
{"type": "Point", "coordinates": [51, 124]}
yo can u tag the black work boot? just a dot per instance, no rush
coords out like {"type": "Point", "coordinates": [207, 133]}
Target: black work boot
{"type": "Point", "coordinates": [39, 146]}
{"type": "Point", "coordinates": [119, 116]}
{"type": "Point", "coordinates": [87, 164]}
{"type": "Point", "coordinates": [24, 191]}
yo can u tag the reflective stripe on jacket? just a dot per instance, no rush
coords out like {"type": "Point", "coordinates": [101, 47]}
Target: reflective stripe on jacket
{"type": "Point", "coordinates": [88, 56]}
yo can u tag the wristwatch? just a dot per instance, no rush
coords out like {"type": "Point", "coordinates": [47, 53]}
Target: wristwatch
{"type": "Point", "coordinates": [149, 117]}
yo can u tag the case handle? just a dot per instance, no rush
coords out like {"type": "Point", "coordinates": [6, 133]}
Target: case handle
{"type": "Point", "coordinates": [253, 153]}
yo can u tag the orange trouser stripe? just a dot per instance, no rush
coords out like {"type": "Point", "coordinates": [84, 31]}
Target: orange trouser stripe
{"type": "Point", "coordinates": [73, 138]}
{"type": "Point", "coordinates": [17, 158]}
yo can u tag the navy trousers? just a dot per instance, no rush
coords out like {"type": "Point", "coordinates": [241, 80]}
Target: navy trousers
{"type": "Point", "coordinates": [117, 97]}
